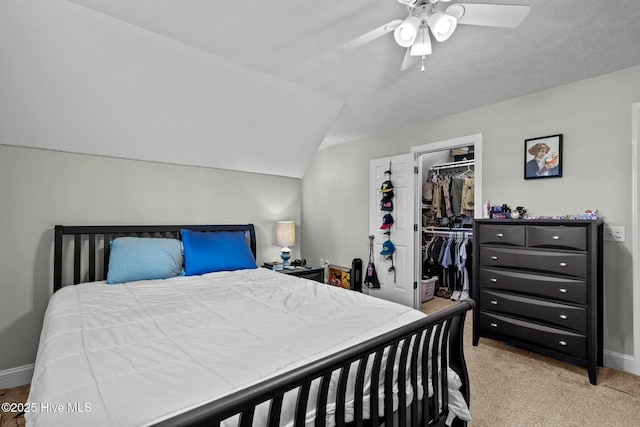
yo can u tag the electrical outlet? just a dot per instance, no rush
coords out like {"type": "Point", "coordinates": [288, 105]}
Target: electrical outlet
{"type": "Point", "coordinates": [614, 234]}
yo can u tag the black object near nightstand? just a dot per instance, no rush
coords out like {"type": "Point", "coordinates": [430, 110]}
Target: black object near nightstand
{"type": "Point", "coordinates": [307, 272]}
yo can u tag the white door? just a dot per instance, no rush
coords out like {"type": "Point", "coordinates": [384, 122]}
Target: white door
{"type": "Point", "coordinates": [397, 284]}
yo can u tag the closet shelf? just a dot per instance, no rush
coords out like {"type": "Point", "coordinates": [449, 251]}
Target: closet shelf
{"type": "Point", "coordinates": [447, 230]}
{"type": "Point", "coordinates": [453, 165]}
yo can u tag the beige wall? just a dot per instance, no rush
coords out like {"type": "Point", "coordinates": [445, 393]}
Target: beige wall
{"type": "Point", "coordinates": [594, 116]}
{"type": "Point", "coordinates": [39, 189]}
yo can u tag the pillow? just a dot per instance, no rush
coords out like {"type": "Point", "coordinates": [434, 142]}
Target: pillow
{"type": "Point", "coordinates": [144, 258]}
{"type": "Point", "coordinates": [206, 252]}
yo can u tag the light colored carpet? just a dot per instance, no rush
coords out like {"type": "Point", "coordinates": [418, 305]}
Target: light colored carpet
{"type": "Point", "coordinates": [516, 388]}
{"type": "Point", "coordinates": [512, 388]}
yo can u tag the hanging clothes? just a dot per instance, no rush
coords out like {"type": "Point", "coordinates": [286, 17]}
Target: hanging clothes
{"type": "Point", "coordinates": [456, 195]}
{"type": "Point", "coordinates": [468, 196]}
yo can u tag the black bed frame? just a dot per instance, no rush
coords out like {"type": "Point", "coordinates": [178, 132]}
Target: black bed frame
{"type": "Point", "coordinates": [87, 241]}
{"type": "Point", "coordinates": [445, 328]}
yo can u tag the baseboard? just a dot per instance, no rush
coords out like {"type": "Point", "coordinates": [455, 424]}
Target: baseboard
{"type": "Point", "coordinates": [16, 376]}
{"type": "Point", "coordinates": [621, 362]}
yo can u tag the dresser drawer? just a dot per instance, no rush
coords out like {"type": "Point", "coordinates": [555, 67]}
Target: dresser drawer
{"type": "Point", "coordinates": [566, 316]}
{"type": "Point", "coordinates": [502, 234]}
{"type": "Point", "coordinates": [566, 263]}
{"type": "Point", "coordinates": [558, 288]}
{"type": "Point", "coordinates": [557, 237]}
{"type": "Point", "coordinates": [570, 343]}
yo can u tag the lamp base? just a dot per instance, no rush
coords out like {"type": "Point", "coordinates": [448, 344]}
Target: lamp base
{"type": "Point", "coordinates": [285, 255]}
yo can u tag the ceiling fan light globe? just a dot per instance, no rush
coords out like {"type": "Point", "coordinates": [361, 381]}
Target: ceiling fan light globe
{"type": "Point", "coordinates": [422, 45]}
{"type": "Point", "coordinates": [455, 10]}
{"type": "Point", "coordinates": [406, 32]}
{"type": "Point", "coordinates": [442, 25]}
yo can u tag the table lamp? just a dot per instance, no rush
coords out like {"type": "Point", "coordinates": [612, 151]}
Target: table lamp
{"type": "Point", "coordinates": [285, 236]}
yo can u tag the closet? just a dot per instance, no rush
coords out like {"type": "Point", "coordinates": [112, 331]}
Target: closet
{"type": "Point", "coordinates": [416, 223]}
{"type": "Point", "coordinates": [447, 212]}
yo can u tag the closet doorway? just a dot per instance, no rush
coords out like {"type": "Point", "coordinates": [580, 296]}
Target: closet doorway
{"type": "Point", "coordinates": [454, 165]}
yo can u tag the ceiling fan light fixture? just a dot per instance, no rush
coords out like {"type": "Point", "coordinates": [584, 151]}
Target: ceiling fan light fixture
{"type": "Point", "coordinates": [422, 45]}
{"type": "Point", "coordinates": [442, 25]}
{"type": "Point", "coordinates": [406, 32]}
{"type": "Point", "coordinates": [455, 10]}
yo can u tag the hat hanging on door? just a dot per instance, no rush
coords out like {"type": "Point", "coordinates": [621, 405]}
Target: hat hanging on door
{"type": "Point", "coordinates": [387, 222]}
{"type": "Point", "coordinates": [386, 187]}
{"type": "Point", "coordinates": [387, 248]}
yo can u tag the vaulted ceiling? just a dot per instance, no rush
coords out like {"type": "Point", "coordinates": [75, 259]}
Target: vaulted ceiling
{"type": "Point", "coordinates": [260, 86]}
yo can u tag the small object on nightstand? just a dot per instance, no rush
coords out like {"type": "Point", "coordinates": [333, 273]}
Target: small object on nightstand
{"type": "Point", "coordinates": [285, 236]}
{"type": "Point", "coordinates": [306, 272]}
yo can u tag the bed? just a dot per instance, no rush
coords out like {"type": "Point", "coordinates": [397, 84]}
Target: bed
{"type": "Point", "coordinates": [238, 345]}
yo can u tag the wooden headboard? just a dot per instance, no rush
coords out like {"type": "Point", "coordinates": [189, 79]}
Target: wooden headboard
{"type": "Point", "coordinates": [90, 246]}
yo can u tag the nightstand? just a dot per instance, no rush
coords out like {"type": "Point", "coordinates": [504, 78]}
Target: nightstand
{"type": "Point", "coordinates": [308, 272]}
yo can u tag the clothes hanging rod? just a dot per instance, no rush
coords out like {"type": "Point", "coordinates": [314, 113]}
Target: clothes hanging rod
{"type": "Point", "coordinates": [454, 164]}
{"type": "Point", "coordinates": [448, 231]}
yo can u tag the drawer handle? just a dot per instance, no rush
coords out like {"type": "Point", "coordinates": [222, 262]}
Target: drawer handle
{"type": "Point", "coordinates": [493, 280]}
{"type": "Point", "coordinates": [564, 316]}
{"type": "Point", "coordinates": [563, 291]}
{"type": "Point", "coordinates": [555, 237]}
{"type": "Point", "coordinates": [563, 343]}
{"type": "Point", "coordinates": [495, 258]}
{"type": "Point", "coordinates": [494, 325]}
{"type": "Point", "coordinates": [499, 235]}
{"type": "Point", "coordinates": [494, 302]}
{"type": "Point", "coordinates": [563, 264]}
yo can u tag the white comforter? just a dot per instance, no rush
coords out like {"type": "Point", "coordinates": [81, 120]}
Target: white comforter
{"type": "Point", "coordinates": [137, 353]}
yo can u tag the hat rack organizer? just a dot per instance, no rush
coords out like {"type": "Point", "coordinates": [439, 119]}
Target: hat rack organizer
{"type": "Point", "coordinates": [387, 231]}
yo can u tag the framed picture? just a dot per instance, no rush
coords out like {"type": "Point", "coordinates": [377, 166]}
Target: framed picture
{"type": "Point", "coordinates": [543, 157]}
{"type": "Point", "coordinates": [339, 276]}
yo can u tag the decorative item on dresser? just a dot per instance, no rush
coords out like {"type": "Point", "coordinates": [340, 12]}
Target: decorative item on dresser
{"type": "Point", "coordinates": [539, 286]}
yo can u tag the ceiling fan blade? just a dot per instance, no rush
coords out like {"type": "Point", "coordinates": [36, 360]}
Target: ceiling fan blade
{"type": "Point", "coordinates": [371, 35]}
{"type": "Point", "coordinates": [409, 61]}
{"type": "Point", "coordinates": [490, 15]}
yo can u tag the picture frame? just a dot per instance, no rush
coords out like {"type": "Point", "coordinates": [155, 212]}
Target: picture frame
{"type": "Point", "coordinates": [543, 157]}
{"type": "Point", "coordinates": [339, 276]}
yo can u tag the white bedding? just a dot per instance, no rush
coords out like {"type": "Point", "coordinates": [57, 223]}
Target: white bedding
{"type": "Point", "coordinates": [137, 353]}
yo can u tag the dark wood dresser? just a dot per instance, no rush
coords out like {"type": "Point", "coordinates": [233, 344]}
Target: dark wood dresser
{"type": "Point", "coordinates": [538, 285]}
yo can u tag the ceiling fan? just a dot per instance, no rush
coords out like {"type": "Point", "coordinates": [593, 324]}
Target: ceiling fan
{"type": "Point", "coordinates": [430, 18]}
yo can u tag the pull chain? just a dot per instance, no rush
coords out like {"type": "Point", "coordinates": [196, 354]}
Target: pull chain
{"type": "Point", "coordinates": [423, 57]}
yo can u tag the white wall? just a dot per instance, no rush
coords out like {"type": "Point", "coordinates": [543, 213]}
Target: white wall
{"type": "Point", "coordinates": [39, 189]}
{"type": "Point", "coordinates": [594, 116]}
{"type": "Point", "coordinates": [74, 79]}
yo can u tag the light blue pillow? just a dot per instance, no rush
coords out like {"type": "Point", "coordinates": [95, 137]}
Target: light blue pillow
{"type": "Point", "coordinates": [144, 258]}
{"type": "Point", "coordinates": [207, 252]}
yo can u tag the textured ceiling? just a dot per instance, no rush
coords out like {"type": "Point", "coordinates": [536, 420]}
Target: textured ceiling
{"type": "Point", "coordinates": [176, 55]}
{"type": "Point", "coordinates": [559, 42]}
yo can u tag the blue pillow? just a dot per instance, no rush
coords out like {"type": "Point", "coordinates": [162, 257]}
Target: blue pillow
{"type": "Point", "coordinates": [144, 258]}
{"type": "Point", "coordinates": [206, 252]}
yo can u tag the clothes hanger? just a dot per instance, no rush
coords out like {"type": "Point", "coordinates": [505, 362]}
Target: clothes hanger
{"type": "Point", "coordinates": [463, 174]}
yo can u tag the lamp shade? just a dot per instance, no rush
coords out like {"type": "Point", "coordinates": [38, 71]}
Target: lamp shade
{"type": "Point", "coordinates": [422, 45]}
{"type": "Point", "coordinates": [286, 233]}
{"type": "Point", "coordinates": [406, 32]}
{"type": "Point", "coordinates": [442, 25]}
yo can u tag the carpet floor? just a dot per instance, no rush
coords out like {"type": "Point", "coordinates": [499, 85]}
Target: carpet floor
{"type": "Point", "coordinates": [511, 388]}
